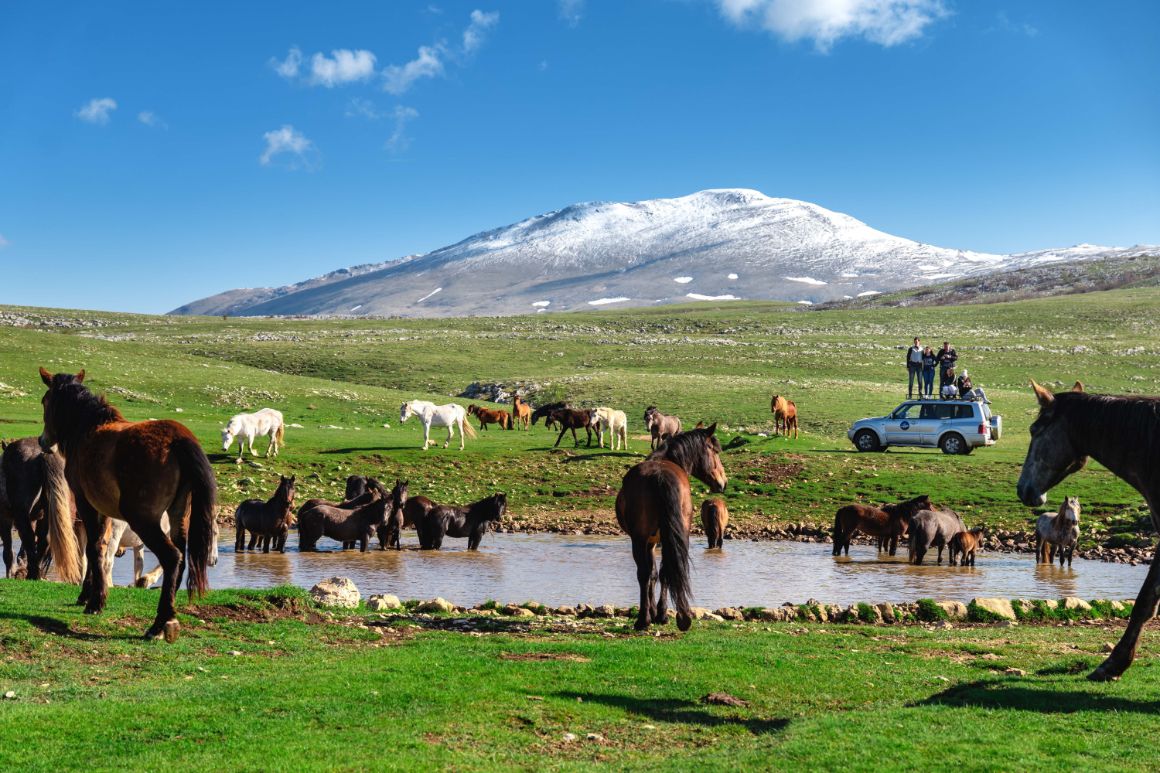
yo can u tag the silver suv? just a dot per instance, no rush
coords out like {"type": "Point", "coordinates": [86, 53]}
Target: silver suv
{"type": "Point", "coordinates": [955, 426]}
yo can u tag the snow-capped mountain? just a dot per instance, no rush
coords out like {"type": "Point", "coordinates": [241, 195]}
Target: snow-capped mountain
{"type": "Point", "coordinates": [716, 244]}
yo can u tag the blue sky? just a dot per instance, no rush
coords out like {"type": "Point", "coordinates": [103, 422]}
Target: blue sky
{"type": "Point", "coordinates": [154, 153]}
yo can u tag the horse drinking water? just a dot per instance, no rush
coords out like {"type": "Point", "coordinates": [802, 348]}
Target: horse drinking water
{"type": "Point", "coordinates": [245, 427]}
{"type": "Point", "coordinates": [654, 505]}
{"type": "Point", "coordinates": [451, 416]}
{"type": "Point", "coordinates": [135, 472]}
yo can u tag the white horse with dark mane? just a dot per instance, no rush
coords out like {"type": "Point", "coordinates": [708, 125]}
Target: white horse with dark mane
{"type": "Point", "coordinates": [451, 415]}
{"type": "Point", "coordinates": [245, 427]}
{"type": "Point", "coordinates": [1059, 532]}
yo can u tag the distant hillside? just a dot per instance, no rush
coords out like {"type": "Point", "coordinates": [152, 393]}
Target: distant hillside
{"type": "Point", "coordinates": [1084, 276]}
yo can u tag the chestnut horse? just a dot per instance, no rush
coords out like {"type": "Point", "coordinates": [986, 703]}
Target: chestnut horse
{"type": "Point", "coordinates": [35, 499]}
{"type": "Point", "coordinates": [785, 415]}
{"type": "Point", "coordinates": [714, 519]}
{"type": "Point", "coordinates": [1122, 434]}
{"type": "Point", "coordinates": [654, 505]}
{"type": "Point", "coordinates": [964, 544]}
{"type": "Point", "coordinates": [134, 472]}
{"type": "Point", "coordinates": [521, 413]}
{"type": "Point", "coordinates": [888, 523]}
{"type": "Point", "coordinates": [488, 416]}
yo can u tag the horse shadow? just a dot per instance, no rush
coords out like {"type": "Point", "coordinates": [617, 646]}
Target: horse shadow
{"type": "Point", "coordinates": [677, 710]}
{"type": "Point", "coordinates": [367, 449]}
{"type": "Point", "coordinates": [54, 627]}
{"type": "Point", "coordinates": [1023, 697]}
{"type": "Point", "coordinates": [600, 455]}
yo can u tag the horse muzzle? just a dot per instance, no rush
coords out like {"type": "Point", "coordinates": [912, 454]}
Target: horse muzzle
{"type": "Point", "coordinates": [1029, 496]}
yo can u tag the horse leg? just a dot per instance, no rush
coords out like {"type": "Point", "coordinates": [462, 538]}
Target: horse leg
{"type": "Point", "coordinates": [426, 435]}
{"type": "Point", "coordinates": [265, 543]}
{"type": "Point", "coordinates": [146, 580]}
{"type": "Point", "coordinates": [476, 536]}
{"type": "Point", "coordinates": [253, 540]}
{"type": "Point", "coordinates": [162, 546]}
{"type": "Point", "coordinates": [451, 436]}
{"type": "Point", "coordinates": [29, 545]}
{"type": "Point", "coordinates": [642, 554]}
{"type": "Point", "coordinates": [239, 536]}
{"type": "Point", "coordinates": [6, 538]}
{"type": "Point", "coordinates": [97, 527]}
{"type": "Point", "coordinates": [1142, 612]}
{"type": "Point", "coordinates": [941, 544]}
{"type": "Point", "coordinates": [560, 437]}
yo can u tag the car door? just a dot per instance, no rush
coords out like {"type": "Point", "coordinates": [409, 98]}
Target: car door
{"type": "Point", "coordinates": [903, 426]}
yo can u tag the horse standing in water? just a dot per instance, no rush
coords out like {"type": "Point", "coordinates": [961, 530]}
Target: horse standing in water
{"type": "Point", "coordinates": [654, 505]}
{"type": "Point", "coordinates": [35, 499]}
{"type": "Point", "coordinates": [268, 520]}
{"type": "Point", "coordinates": [1058, 532]}
{"type": "Point", "coordinates": [451, 415]}
{"type": "Point", "coordinates": [134, 472]}
{"type": "Point", "coordinates": [1122, 434]}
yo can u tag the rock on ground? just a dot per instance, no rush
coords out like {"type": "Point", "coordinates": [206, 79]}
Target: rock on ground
{"type": "Point", "coordinates": [336, 592]}
{"type": "Point", "coordinates": [380, 602]}
{"type": "Point", "coordinates": [999, 607]}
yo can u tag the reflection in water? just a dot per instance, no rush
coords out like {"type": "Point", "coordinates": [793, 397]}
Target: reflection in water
{"type": "Point", "coordinates": [564, 569]}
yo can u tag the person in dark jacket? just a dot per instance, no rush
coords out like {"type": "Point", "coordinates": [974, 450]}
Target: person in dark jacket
{"type": "Point", "coordinates": [914, 369]}
{"type": "Point", "coordinates": [928, 363]}
{"type": "Point", "coordinates": [947, 357]}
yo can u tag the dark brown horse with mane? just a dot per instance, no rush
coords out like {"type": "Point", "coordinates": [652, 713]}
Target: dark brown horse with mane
{"type": "Point", "coordinates": [889, 523]}
{"type": "Point", "coordinates": [35, 499]}
{"type": "Point", "coordinates": [135, 472]}
{"type": "Point", "coordinates": [354, 525]}
{"type": "Point", "coordinates": [1122, 434]}
{"type": "Point", "coordinates": [654, 505]}
{"type": "Point", "coordinates": [545, 410]}
{"type": "Point", "coordinates": [268, 520]}
{"type": "Point", "coordinates": [571, 419]}
{"type": "Point", "coordinates": [441, 521]}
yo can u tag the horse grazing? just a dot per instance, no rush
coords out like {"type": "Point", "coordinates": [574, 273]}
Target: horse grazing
{"type": "Point", "coordinates": [270, 520]}
{"type": "Point", "coordinates": [488, 416]}
{"type": "Point", "coordinates": [571, 419]}
{"type": "Point", "coordinates": [245, 427]}
{"type": "Point", "coordinates": [889, 523]}
{"type": "Point", "coordinates": [35, 499]}
{"type": "Point", "coordinates": [932, 528]}
{"type": "Point", "coordinates": [545, 410]}
{"type": "Point", "coordinates": [615, 422]}
{"type": "Point", "coordinates": [354, 525]}
{"type": "Point", "coordinates": [1058, 532]}
{"type": "Point", "coordinates": [135, 472]}
{"type": "Point", "coordinates": [654, 505]}
{"type": "Point", "coordinates": [450, 521]}
{"type": "Point", "coordinates": [964, 544]}
{"type": "Point", "coordinates": [661, 427]}
{"type": "Point", "coordinates": [714, 519]}
{"type": "Point", "coordinates": [785, 416]}
{"type": "Point", "coordinates": [1122, 434]}
{"type": "Point", "coordinates": [521, 412]}
{"type": "Point", "coordinates": [451, 416]}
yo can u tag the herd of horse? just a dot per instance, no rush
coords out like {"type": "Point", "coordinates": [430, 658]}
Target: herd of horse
{"type": "Point", "coordinates": [91, 469]}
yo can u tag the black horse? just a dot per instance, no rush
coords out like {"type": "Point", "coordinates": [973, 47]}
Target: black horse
{"type": "Point", "coordinates": [35, 499]}
{"type": "Point", "coordinates": [451, 521]}
{"type": "Point", "coordinates": [268, 520]}
{"type": "Point", "coordinates": [344, 525]}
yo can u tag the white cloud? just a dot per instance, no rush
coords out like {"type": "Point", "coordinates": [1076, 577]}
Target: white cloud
{"type": "Point", "coordinates": [474, 34]}
{"type": "Point", "coordinates": [288, 140]}
{"type": "Point", "coordinates": [399, 78]}
{"type": "Point", "coordinates": [1007, 25]}
{"type": "Point", "coordinates": [362, 108]}
{"type": "Point", "coordinates": [825, 22]}
{"type": "Point", "coordinates": [97, 110]}
{"type": "Point", "coordinates": [398, 141]}
{"type": "Point", "coordinates": [571, 11]}
{"type": "Point", "coordinates": [288, 67]}
{"type": "Point", "coordinates": [431, 61]}
{"type": "Point", "coordinates": [151, 119]}
{"type": "Point", "coordinates": [343, 66]}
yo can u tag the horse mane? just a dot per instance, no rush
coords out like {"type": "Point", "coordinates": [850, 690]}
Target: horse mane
{"type": "Point", "coordinates": [83, 409]}
{"type": "Point", "coordinates": [684, 449]}
{"type": "Point", "coordinates": [1133, 421]}
{"type": "Point", "coordinates": [490, 504]}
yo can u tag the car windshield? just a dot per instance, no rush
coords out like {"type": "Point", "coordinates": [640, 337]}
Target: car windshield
{"type": "Point", "coordinates": [906, 411]}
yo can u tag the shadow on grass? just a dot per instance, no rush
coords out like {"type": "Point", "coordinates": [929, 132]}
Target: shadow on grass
{"type": "Point", "coordinates": [1006, 695]}
{"type": "Point", "coordinates": [602, 454]}
{"type": "Point", "coordinates": [678, 710]}
{"type": "Point", "coordinates": [371, 449]}
{"type": "Point", "coordinates": [54, 627]}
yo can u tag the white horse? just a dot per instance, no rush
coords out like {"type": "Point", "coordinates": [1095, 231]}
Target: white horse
{"type": "Point", "coordinates": [122, 538]}
{"type": "Point", "coordinates": [247, 426]}
{"type": "Point", "coordinates": [1058, 532]}
{"type": "Point", "coordinates": [451, 415]}
{"type": "Point", "coordinates": [614, 421]}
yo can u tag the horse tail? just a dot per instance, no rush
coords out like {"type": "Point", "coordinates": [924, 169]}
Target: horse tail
{"type": "Point", "coordinates": [281, 434]}
{"type": "Point", "coordinates": [674, 569]}
{"type": "Point", "coordinates": [196, 471]}
{"type": "Point", "coordinates": [58, 507]}
{"type": "Point", "coordinates": [466, 428]}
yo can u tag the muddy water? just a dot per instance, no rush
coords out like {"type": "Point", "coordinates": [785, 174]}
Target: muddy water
{"type": "Point", "coordinates": [557, 569]}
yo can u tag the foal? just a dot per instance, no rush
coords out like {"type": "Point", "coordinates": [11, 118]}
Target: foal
{"type": "Point", "coordinates": [965, 543]}
{"type": "Point", "coordinates": [714, 519]}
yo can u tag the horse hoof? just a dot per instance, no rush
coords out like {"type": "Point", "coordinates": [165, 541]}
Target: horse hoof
{"type": "Point", "coordinates": [1105, 673]}
{"type": "Point", "coordinates": [683, 621]}
{"type": "Point", "coordinates": [641, 625]}
{"type": "Point", "coordinates": [92, 609]}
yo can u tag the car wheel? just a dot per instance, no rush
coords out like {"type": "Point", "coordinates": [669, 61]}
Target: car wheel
{"type": "Point", "coordinates": [866, 440]}
{"type": "Point", "coordinates": [953, 443]}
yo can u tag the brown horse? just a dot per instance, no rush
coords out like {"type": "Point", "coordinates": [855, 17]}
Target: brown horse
{"type": "Point", "coordinates": [521, 413]}
{"type": "Point", "coordinates": [268, 520]}
{"type": "Point", "coordinates": [660, 426]}
{"type": "Point", "coordinates": [35, 499]}
{"type": "Point", "coordinates": [654, 505]}
{"type": "Point", "coordinates": [714, 519]}
{"type": "Point", "coordinates": [964, 544]}
{"type": "Point", "coordinates": [471, 521]}
{"type": "Point", "coordinates": [1122, 434]}
{"type": "Point", "coordinates": [349, 526]}
{"type": "Point", "coordinates": [889, 523]}
{"type": "Point", "coordinates": [488, 416]}
{"type": "Point", "coordinates": [571, 419]}
{"type": "Point", "coordinates": [785, 415]}
{"type": "Point", "coordinates": [135, 472]}
{"type": "Point", "coordinates": [415, 512]}
{"type": "Point", "coordinates": [544, 411]}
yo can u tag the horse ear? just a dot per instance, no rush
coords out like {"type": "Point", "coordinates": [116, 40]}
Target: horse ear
{"type": "Point", "coordinates": [1044, 396]}
{"type": "Point", "coordinates": [1078, 387]}
{"type": "Point", "coordinates": [712, 428]}
{"type": "Point", "coordinates": [46, 377]}
{"type": "Point", "coordinates": [81, 376]}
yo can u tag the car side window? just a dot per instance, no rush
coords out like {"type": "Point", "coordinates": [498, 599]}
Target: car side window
{"type": "Point", "coordinates": [906, 411]}
{"type": "Point", "coordinates": [964, 412]}
{"type": "Point", "coordinates": [928, 412]}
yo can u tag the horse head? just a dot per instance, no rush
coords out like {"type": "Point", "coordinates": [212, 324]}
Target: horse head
{"type": "Point", "coordinates": [1052, 455]}
{"type": "Point", "coordinates": [63, 403]}
{"type": "Point", "coordinates": [698, 451]}
{"type": "Point", "coordinates": [649, 416]}
{"type": "Point", "coordinates": [399, 495]}
{"type": "Point", "coordinates": [405, 412]}
{"type": "Point", "coordinates": [1069, 511]}
{"type": "Point", "coordinates": [498, 506]}
{"type": "Point", "coordinates": [776, 402]}
{"type": "Point", "coordinates": [286, 485]}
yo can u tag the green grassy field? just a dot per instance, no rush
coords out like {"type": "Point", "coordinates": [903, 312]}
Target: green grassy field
{"type": "Point", "coordinates": [263, 682]}
{"type": "Point", "coordinates": [342, 380]}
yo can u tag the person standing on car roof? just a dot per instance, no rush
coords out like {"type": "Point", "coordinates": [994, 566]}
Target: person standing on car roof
{"type": "Point", "coordinates": [914, 369]}
{"type": "Point", "coordinates": [928, 363]}
{"type": "Point", "coordinates": [947, 357]}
